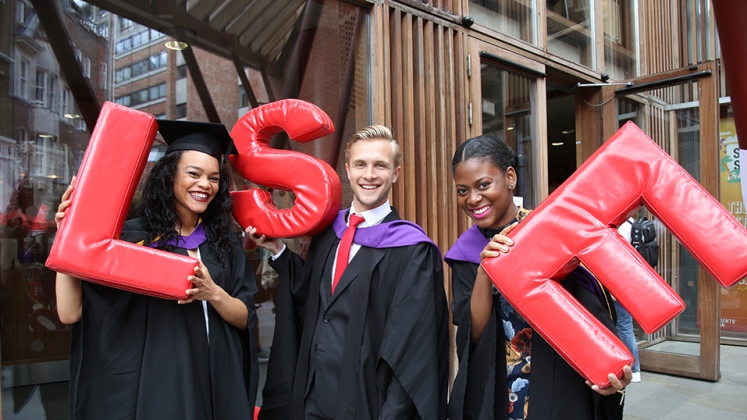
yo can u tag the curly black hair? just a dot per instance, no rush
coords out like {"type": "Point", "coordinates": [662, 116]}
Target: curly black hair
{"type": "Point", "coordinates": [487, 147]}
{"type": "Point", "coordinates": [159, 216]}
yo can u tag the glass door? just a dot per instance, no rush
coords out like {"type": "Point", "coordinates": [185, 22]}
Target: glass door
{"type": "Point", "coordinates": [679, 111]}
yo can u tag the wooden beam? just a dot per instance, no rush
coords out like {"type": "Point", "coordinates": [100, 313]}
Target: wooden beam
{"type": "Point", "coordinates": [242, 76]}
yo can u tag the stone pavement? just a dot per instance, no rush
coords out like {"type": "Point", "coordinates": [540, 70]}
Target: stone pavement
{"type": "Point", "coordinates": [657, 397]}
{"type": "Point", "coordinates": [665, 397]}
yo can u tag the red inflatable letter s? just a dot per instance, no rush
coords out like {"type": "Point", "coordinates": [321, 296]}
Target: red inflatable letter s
{"type": "Point", "coordinates": [315, 184]}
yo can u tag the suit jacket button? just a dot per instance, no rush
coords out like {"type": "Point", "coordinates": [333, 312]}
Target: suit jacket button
{"type": "Point", "coordinates": [326, 318]}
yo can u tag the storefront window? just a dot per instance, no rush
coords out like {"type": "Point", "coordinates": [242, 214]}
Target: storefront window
{"type": "Point", "coordinates": [734, 299]}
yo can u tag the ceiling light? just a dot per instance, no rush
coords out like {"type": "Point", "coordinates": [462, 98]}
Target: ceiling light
{"type": "Point", "coordinates": [568, 131]}
{"type": "Point", "coordinates": [46, 136]}
{"type": "Point", "coordinates": [53, 176]}
{"type": "Point", "coordinates": [560, 143]}
{"type": "Point", "coordinates": [509, 128]}
{"type": "Point", "coordinates": [177, 45]}
{"type": "Point", "coordinates": [71, 116]}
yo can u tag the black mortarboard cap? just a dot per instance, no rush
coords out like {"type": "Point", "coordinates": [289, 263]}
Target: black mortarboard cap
{"type": "Point", "coordinates": [210, 138]}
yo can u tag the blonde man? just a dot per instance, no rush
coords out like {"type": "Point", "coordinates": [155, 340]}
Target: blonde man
{"type": "Point", "coordinates": [364, 324]}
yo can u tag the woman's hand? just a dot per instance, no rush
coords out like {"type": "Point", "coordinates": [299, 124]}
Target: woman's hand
{"type": "Point", "coordinates": [499, 243]}
{"type": "Point", "coordinates": [65, 203]}
{"type": "Point", "coordinates": [204, 288]}
{"type": "Point", "coordinates": [616, 385]}
{"type": "Point", "coordinates": [273, 245]}
{"type": "Point", "coordinates": [231, 309]}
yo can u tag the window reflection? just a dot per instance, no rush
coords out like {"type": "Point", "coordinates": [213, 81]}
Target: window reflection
{"type": "Point", "coordinates": [620, 38]}
{"type": "Point", "coordinates": [570, 30]}
{"type": "Point", "coordinates": [44, 138]}
{"type": "Point", "coordinates": [515, 18]}
{"type": "Point", "coordinates": [507, 105]}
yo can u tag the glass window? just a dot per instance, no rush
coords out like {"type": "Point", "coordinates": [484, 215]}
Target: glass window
{"type": "Point", "coordinates": [181, 72]}
{"type": "Point", "coordinates": [23, 75]}
{"type": "Point", "coordinates": [140, 68]}
{"type": "Point", "coordinates": [158, 61]}
{"type": "Point", "coordinates": [181, 111]}
{"type": "Point", "coordinates": [507, 105]}
{"type": "Point", "coordinates": [103, 30]}
{"type": "Point", "coordinates": [570, 30]}
{"type": "Point", "coordinates": [515, 18]}
{"type": "Point", "coordinates": [40, 77]}
{"type": "Point", "coordinates": [620, 39]}
{"type": "Point", "coordinates": [65, 101]}
{"type": "Point", "coordinates": [140, 97]}
{"type": "Point", "coordinates": [124, 24]}
{"type": "Point", "coordinates": [51, 92]}
{"type": "Point", "coordinates": [103, 76]}
{"type": "Point", "coordinates": [20, 12]}
{"type": "Point", "coordinates": [123, 100]}
{"type": "Point", "coordinates": [734, 299]}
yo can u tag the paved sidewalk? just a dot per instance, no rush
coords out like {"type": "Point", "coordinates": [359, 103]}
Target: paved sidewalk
{"type": "Point", "coordinates": [657, 397]}
{"type": "Point", "coordinates": [664, 397]}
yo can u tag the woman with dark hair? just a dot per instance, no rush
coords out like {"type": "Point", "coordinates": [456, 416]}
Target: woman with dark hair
{"type": "Point", "coordinates": [536, 383]}
{"type": "Point", "coordinates": [139, 356]}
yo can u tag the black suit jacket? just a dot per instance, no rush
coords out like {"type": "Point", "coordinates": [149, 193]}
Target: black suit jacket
{"type": "Point", "coordinates": [379, 345]}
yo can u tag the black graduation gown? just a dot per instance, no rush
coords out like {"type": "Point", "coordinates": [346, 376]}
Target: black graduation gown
{"type": "Point", "coordinates": [397, 328]}
{"type": "Point", "coordinates": [556, 390]}
{"type": "Point", "coordinates": [135, 356]}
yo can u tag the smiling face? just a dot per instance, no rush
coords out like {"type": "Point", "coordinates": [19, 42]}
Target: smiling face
{"type": "Point", "coordinates": [371, 171]}
{"type": "Point", "coordinates": [485, 192]}
{"type": "Point", "coordinates": [196, 182]}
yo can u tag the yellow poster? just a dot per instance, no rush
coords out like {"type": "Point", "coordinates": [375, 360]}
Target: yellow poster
{"type": "Point", "coordinates": [733, 300]}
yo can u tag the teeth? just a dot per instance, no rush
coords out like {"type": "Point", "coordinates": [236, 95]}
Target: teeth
{"type": "Point", "coordinates": [481, 210]}
{"type": "Point", "coordinates": [368, 187]}
{"type": "Point", "coordinates": [199, 195]}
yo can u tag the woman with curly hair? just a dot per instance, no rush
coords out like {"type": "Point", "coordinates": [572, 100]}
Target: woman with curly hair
{"type": "Point", "coordinates": [506, 370]}
{"type": "Point", "coordinates": [139, 356]}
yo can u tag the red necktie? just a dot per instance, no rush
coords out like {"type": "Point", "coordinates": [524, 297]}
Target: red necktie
{"type": "Point", "coordinates": [343, 251]}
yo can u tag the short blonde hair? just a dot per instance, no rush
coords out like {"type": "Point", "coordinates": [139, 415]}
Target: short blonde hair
{"type": "Point", "coordinates": [375, 132]}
